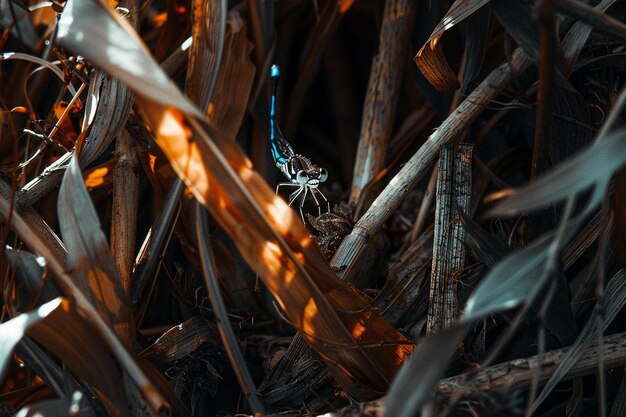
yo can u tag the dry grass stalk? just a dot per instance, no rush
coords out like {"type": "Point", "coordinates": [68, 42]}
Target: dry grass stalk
{"type": "Point", "coordinates": [379, 109]}
{"type": "Point", "coordinates": [125, 206]}
{"type": "Point", "coordinates": [454, 185]}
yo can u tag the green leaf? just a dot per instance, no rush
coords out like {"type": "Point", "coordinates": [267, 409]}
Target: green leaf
{"type": "Point", "coordinates": [511, 282]}
{"type": "Point", "coordinates": [413, 384]}
{"type": "Point", "coordinates": [594, 166]}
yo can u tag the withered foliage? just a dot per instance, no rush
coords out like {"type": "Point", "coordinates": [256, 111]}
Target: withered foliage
{"type": "Point", "coordinates": [472, 260]}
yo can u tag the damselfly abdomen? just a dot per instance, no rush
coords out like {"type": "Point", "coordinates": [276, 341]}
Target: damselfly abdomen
{"type": "Point", "coordinates": [298, 169]}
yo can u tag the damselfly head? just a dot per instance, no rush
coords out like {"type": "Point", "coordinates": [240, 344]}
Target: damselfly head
{"type": "Point", "coordinates": [311, 177]}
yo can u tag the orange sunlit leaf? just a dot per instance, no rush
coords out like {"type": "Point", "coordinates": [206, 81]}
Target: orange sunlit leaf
{"type": "Point", "coordinates": [152, 158]}
{"type": "Point", "coordinates": [97, 178]}
{"type": "Point", "coordinates": [344, 5]}
{"type": "Point", "coordinates": [160, 19]}
{"type": "Point", "coordinates": [497, 195]}
{"type": "Point", "coordinates": [358, 330]}
{"type": "Point", "coordinates": [310, 312]}
{"type": "Point", "coordinates": [67, 135]}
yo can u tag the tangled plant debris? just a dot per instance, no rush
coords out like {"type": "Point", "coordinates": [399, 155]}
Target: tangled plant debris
{"type": "Point", "coordinates": [470, 260]}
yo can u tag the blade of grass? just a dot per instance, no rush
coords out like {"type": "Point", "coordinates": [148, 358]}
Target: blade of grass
{"type": "Point", "coordinates": [229, 340]}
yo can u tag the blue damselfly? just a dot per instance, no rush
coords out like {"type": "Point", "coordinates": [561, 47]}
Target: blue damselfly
{"type": "Point", "coordinates": [299, 170]}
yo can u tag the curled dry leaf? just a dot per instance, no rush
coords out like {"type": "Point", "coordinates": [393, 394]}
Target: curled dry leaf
{"type": "Point", "coordinates": [430, 58]}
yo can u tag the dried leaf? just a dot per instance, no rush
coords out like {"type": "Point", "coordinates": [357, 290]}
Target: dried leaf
{"type": "Point", "coordinates": [430, 58]}
{"type": "Point", "coordinates": [29, 271]}
{"type": "Point", "coordinates": [110, 113]}
{"type": "Point", "coordinates": [55, 326]}
{"type": "Point", "coordinates": [207, 45]}
{"type": "Point", "coordinates": [181, 340]}
{"type": "Point", "coordinates": [12, 331]}
{"type": "Point", "coordinates": [89, 257]}
{"type": "Point", "coordinates": [234, 82]}
{"type": "Point", "coordinates": [72, 340]}
{"type": "Point", "coordinates": [433, 64]}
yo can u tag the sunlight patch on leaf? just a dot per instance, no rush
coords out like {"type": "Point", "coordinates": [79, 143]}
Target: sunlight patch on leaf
{"type": "Point", "coordinates": [106, 44]}
{"type": "Point", "coordinates": [12, 331]}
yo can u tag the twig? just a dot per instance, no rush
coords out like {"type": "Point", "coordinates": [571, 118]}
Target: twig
{"type": "Point", "coordinates": [546, 20]}
{"type": "Point", "coordinates": [518, 373]}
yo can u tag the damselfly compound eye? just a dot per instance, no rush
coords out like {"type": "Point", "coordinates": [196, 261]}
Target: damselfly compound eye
{"type": "Point", "coordinates": [323, 175]}
{"type": "Point", "coordinates": [302, 177]}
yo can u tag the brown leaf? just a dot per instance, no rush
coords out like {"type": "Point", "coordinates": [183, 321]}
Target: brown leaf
{"type": "Point", "coordinates": [89, 257]}
{"type": "Point", "coordinates": [206, 52]}
{"type": "Point", "coordinates": [234, 82]}
{"type": "Point", "coordinates": [433, 64]}
{"type": "Point", "coordinates": [430, 58]}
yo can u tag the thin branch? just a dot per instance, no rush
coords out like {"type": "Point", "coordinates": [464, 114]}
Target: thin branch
{"type": "Point", "coordinates": [547, 35]}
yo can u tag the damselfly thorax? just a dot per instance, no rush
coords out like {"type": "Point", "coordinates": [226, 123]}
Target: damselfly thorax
{"type": "Point", "coordinates": [300, 172]}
